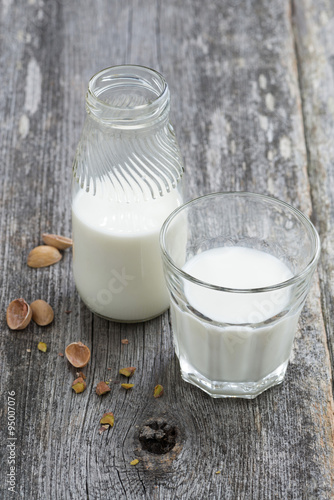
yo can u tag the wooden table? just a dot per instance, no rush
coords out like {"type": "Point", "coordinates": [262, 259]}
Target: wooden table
{"type": "Point", "coordinates": [252, 84]}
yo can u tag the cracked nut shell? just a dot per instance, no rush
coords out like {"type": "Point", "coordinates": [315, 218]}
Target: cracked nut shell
{"type": "Point", "coordinates": [42, 312]}
{"type": "Point", "coordinates": [43, 256]}
{"type": "Point", "coordinates": [18, 314]}
{"type": "Point", "coordinates": [57, 241]}
{"type": "Point", "coordinates": [78, 354]}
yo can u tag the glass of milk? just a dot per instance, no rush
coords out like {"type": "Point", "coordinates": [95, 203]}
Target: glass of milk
{"type": "Point", "coordinates": [127, 176]}
{"type": "Point", "coordinates": [238, 267]}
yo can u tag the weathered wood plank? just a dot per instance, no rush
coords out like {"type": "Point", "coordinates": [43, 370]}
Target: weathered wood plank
{"type": "Point", "coordinates": [238, 114]}
{"type": "Point", "coordinates": [315, 46]}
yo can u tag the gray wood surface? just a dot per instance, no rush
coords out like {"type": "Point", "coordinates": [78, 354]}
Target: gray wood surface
{"type": "Point", "coordinates": [252, 86]}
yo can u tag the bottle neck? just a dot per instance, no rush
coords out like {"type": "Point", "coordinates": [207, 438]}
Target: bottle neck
{"type": "Point", "coordinates": [128, 97]}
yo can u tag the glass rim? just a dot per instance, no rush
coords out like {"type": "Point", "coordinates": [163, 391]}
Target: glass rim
{"type": "Point", "coordinates": [128, 71]}
{"type": "Point", "coordinates": [277, 286]}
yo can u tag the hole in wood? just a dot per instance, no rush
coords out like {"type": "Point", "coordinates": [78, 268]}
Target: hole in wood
{"type": "Point", "coordinates": [158, 437]}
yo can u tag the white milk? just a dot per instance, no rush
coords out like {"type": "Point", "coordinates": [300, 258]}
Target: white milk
{"type": "Point", "coordinates": [116, 261]}
{"type": "Point", "coordinates": [232, 352]}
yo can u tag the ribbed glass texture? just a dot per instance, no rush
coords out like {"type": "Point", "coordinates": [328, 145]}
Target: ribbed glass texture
{"type": "Point", "coordinates": [128, 150]}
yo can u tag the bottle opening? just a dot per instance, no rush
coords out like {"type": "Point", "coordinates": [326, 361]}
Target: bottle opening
{"type": "Point", "coordinates": [128, 96]}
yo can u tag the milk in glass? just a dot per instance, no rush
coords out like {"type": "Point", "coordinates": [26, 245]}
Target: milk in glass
{"type": "Point", "coordinates": [228, 338]}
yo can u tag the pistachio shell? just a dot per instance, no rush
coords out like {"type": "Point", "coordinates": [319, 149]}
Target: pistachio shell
{"type": "Point", "coordinates": [43, 256]}
{"type": "Point", "coordinates": [78, 354]}
{"type": "Point", "coordinates": [18, 314]}
{"type": "Point", "coordinates": [57, 241]}
{"type": "Point", "coordinates": [42, 312]}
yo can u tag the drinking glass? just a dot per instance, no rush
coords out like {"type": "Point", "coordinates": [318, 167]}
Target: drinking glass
{"type": "Point", "coordinates": [238, 267]}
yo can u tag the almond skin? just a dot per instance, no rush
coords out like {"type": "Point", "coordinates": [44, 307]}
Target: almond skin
{"type": "Point", "coordinates": [18, 315]}
{"type": "Point", "coordinates": [43, 256]}
{"type": "Point", "coordinates": [57, 241]}
{"type": "Point", "coordinates": [42, 312]}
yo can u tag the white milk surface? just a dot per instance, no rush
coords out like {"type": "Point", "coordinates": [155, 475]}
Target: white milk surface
{"type": "Point", "coordinates": [116, 261]}
{"type": "Point", "coordinates": [233, 352]}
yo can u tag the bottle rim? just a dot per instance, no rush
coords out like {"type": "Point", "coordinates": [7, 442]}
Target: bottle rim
{"type": "Point", "coordinates": [130, 77]}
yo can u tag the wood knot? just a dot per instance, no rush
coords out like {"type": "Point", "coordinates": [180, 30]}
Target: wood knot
{"type": "Point", "coordinates": [158, 437]}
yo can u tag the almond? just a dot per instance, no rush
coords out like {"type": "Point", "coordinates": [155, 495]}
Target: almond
{"type": "Point", "coordinates": [18, 314]}
{"type": "Point", "coordinates": [42, 312]}
{"type": "Point", "coordinates": [57, 241]}
{"type": "Point", "coordinates": [43, 256]}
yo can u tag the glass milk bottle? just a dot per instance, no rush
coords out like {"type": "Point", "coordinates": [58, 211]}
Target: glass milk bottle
{"type": "Point", "coordinates": [126, 180]}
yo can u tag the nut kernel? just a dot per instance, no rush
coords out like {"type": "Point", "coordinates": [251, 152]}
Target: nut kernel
{"type": "Point", "coordinates": [158, 391]}
{"type": "Point", "coordinates": [79, 385]}
{"type": "Point", "coordinates": [108, 419]}
{"type": "Point", "coordinates": [127, 386]}
{"type": "Point", "coordinates": [42, 346]}
{"type": "Point", "coordinates": [102, 388]}
{"type": "Point", "coordinates": [127, 372]}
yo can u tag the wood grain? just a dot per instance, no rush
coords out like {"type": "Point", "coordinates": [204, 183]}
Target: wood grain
{"type": "Point", "coordinates": [252, 104]}
{"type": "Point", "coordinates": [315, 38]}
